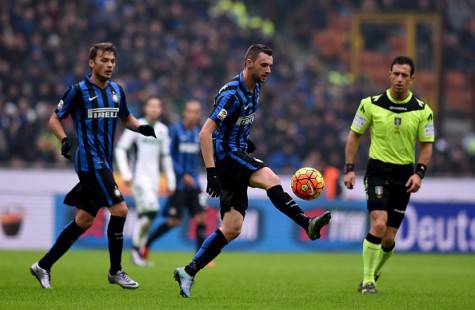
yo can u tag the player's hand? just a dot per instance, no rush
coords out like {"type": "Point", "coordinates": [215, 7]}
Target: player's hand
{"type": "Point", "coordinates": [213, 188]}
{"type": "Point", "coordinates": [66, 147]}
{"type": "Point", "coordinates": [188, 181]}
{"type": "Point", "coordinates": [414, 183]}
{"type": "Point", "coordinates": [349, 179]}
{"type": "Point", "coordinates": [251, 147]}
{"type": "Point", "coordinates": [147, 130]}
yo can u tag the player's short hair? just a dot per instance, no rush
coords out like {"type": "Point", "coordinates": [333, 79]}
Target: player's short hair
{"type": "Point", "coordinates": [101, 46]}
{"type": "Point", "coordinates": [254, 50]}
{"type": "Point", "coordinates": [403, 60]}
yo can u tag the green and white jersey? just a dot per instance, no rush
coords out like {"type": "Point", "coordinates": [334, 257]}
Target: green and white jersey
{"type": "Point", "coordinates": [394, 126]}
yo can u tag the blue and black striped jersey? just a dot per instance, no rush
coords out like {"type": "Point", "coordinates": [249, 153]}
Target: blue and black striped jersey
{"type": "Point", "coordinates": [185, 152]}
{"type": "Point", "coordinates": [94, 112]}
{"type": "Point", "coordinates": [233, 111]}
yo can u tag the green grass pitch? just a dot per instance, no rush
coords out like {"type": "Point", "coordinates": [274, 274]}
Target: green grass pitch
{"type": "Point", "coordinates": [243, 281]}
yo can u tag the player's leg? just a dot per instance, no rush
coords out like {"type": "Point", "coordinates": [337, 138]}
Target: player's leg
{"type": "Point", "coordinates": [266, 179]}
{"type": "Point", "coordinates": [196, 203]}
{"type": "Point", "coordinates": [82, 221]}
{"type": "Point", "coordinates": [174, 214]}
{"type": "Point", "coordinates": [146, 203]}
{"type": "Point", "coordinates": [200, 220]}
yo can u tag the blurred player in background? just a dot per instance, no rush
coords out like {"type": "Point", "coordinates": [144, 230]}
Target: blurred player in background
{"type": "Point", "coordinates": [225, 147]}
{"type": "Point", "coordinates": [95, 103]}
{"type": "Point", "coordinates": [396, 119]}
{"type": "Point", "coordinates": [185, 152]}
{"type": "Point", "coordinates": [146, 176]}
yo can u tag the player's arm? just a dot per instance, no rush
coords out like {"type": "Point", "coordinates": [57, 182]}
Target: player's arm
{"type": "Point", "coordinates": [130, 122]}
{"type": "Point", "coordinates": [125, 143]}
{"type": "Point", "coordinates": [351, 148]}
{"type": "Point", "coordinates": [167, 163]}
{"type": "Point", "coordinates": [206, 143]}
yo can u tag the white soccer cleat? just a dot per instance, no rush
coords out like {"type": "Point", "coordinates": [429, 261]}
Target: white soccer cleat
{"type": "Point", "coordinates": [185, 281]}
{"type": "Point", "coordinates": [42, 275]}
{"type": "Point", "coordinates": [139, 260]}
{"type": "Point", "coordinates": [123, 280]}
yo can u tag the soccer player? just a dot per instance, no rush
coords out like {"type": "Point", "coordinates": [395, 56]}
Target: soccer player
{"type": "Point", "coordinates": [225, 147]}
{"type": "Point", "coordinates": [396, 118]}
{"type": "Point", "coordinates": [146, 176]}
{"type": "Point", "coordinates": [95, 103]}
{"type": "Point", "coordinates": [185, 151]}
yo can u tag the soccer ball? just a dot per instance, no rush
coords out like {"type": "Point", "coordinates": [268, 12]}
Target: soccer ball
{"type": "Point", "coordinates": [307, 183]}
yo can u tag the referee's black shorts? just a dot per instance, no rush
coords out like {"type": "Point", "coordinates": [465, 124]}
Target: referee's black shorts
{"type": "Point", "coordinates": [234, 172]}
{"type": "Point", "coordinates": [96, 189]}
{"type": "Point", "coordinates": [386, 190]}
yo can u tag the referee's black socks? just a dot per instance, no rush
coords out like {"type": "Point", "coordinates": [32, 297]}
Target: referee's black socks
{"type": "Point", "coordinates": [65, 240]}
{"type": "Point", "coordinates": [115, 234]}
{"type": "Point", "coordinates": [210, 248]}
{"type": "Point", "coordinates": [287, 205]}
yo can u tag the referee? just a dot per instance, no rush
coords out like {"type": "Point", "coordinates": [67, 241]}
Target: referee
{"type": "Point", "coordinates": [396, 118]}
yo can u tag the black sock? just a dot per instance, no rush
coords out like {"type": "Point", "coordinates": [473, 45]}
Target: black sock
{"type": "Point", "coordinates": [388, 249]}
{"type": "Point", "coordinates": [68, 236]}
{"type": "Point", "coordinates": [200, 235]}
{"type": "Point", "coordinates": [287, 205]}
{"type": "Point", "coordinates": [211, 247]}
{"type": "Point", "coordinates": [157, 233]}
{"type": "Point", "coordinates": [115, 234]}
{"type": "Point", "coordinates": [373, 239]}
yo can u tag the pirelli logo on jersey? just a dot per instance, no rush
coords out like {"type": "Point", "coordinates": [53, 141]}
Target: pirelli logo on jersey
{"type": "Point", "coordinates": [102, 113]}
{"type": "Point", "coordinates": [244, 120]}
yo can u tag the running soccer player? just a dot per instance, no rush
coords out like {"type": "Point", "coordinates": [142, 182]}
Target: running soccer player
{"type": "Point", "coordinates": [232, 170]}
{"type": "Point", "coordinates": [95, 103]}
{"type": "Point", "coordinates": [185, 152]}
{"type": "Point", "coordinates": [396, 118]}
{"type": "Point", "coordinates": [146, 176]}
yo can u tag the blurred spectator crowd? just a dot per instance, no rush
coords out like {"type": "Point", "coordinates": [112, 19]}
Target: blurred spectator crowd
{"type": "Point", "coordinates": [179, 50]}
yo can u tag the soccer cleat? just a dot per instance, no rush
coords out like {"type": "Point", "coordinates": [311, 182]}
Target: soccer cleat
{"type": "Point", "coordinates": [123, 280]}
{"type": "Point", "coordinates": [317, 223]}
{"type": "Point", "coordinates": [42, 275]}
{"type": "Point", "coordinates": [139, 260]}
{"type": "Point", "coordinates": [367, 288]}
{"type": "Point", "coordinates": [376, 277]}
{"type": "Point", "coordinates": [185, 281]}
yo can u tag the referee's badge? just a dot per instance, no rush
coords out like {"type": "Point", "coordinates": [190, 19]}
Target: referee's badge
{"type": "Point", "coordinates": [397, 121]}
{"type": "Point", "coordinates": [115, 98]}
{"type": "Point", "coordinates": [378, 190]}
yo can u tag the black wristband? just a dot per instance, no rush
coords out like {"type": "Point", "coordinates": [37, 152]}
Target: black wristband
{"type": "Point", "coordinates": [211, 171]}
{"type": "Point", "coordinates": [421, 170]}
{"type": "Point", "coordinates": [349, 168]}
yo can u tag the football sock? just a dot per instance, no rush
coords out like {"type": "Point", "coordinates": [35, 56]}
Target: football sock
{"type": "Point", "coordinates": [371, 250]}
{"type": "Point", "coordinates": [158, 232]}
{"type": "Point", "coordinates": [210, 248]}
{"type": "Point", "coordinates": [115, 234]}
{"type": "Point", "coordinates": [385, 254]}
{"type": "Point", "coordinates": [139, 237]}
{"type": "Point", "coordinates": [285, 204]}
{"type": "Point", "coordinates": [68, 236]}
{"type": "Point", "coordinates": [200, 235]}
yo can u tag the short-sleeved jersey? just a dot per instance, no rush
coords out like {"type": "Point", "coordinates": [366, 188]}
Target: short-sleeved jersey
{"type": "Point", "coordinates": [94, 112]}
{"type": "Point", "coordinates": [185, 152]}
{"type": "Point", "coordinates": [149, 151]}
{"type": "Point", "coordinates": [234, 110]}
{"type": "Point", "coordinates": [395, 126]}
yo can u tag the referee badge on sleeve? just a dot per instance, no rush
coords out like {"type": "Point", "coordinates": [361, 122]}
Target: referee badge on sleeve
{"type": "Point", "coordinates": [378, 190]}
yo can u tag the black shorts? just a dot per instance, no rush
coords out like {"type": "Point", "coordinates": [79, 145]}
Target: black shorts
{"type": "Point", "coordinates": [181, 200]}
{"type": "Point", "coordinates": [386, 189]}
{"type": "Point", "coordinates": [96, 189]}
{"type": "Point", "coordinates": [234, 172]}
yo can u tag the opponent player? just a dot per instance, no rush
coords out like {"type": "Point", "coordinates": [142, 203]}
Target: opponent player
{"type": "Point", "coordinates": [396, 119]}
{"type": "Point", "coordinates": [231, 170]}
{"type": "Point", "coordinates": [95, 103]}
{"type": "Point", "coordinates": [146, 176]}
{"type": "Point", "coordinates": [185, 149]}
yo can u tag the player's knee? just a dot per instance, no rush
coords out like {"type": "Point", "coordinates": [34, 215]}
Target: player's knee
{"type": "Point", "coordinates": [84, 220]}
{"type": "Point", "coordinates": [379, 226]}
{"type": "Point", "coordinates": [119, 210]}
{"type": "Point", "coordinates": [231, 231]}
